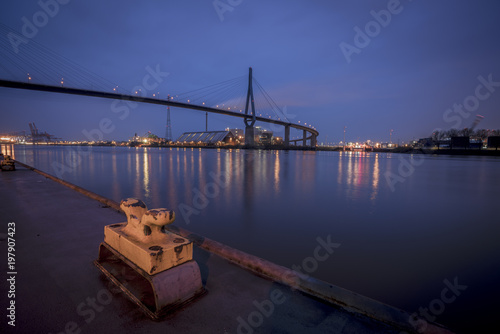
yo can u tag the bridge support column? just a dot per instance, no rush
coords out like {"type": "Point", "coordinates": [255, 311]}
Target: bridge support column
{"type": "Point", "coordinates": [250, 119]}
{"type": "Point", "coordinates": [304, 138]}
{"type": "Point", "coordinates": [314, 140]}
{"type": "Point", "coordinates": [249, 135]}
{"type": "Point", "coordinates": [287, 136]}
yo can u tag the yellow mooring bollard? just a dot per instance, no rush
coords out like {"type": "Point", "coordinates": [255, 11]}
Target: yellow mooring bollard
{"type": "Point", "coordinates": [154, 267]}
{"type": "Point", "coordinates": [7, 164]}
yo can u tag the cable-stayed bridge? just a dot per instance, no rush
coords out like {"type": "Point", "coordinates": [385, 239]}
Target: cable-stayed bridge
{"type": "Point", "coordinates": [38, 68]}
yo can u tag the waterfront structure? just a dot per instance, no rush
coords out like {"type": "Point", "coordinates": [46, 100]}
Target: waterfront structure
{"type": "Point", "coordinates": [459, 142]}
{"type": "Point", "coordinates": [238, 134]}
{"type": "Point", "coordinates": [5, 139]}
{"type": "Point", "coordinates": [494, 142]}
{"type": "Point", "coordinates": [263, 136]}
{"type": "Point", "coordinates": [208, 138]}
{"type": "Point", "coordinates": [149, 139]}
{"type": "Point", "coordinates": [231, 137]}
{"type": "Point", "coordinates": [38, 136]}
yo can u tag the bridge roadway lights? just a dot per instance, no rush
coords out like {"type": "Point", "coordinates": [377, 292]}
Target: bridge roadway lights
{"type": "Point", "coordinates": [152, 266]}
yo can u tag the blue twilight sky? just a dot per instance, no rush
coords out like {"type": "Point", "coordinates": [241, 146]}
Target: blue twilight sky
{"type": "Point", "coordinates": [372, 65]}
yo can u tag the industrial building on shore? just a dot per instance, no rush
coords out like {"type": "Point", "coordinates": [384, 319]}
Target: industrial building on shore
{"type": "Point", "coordinates": [227, 137]}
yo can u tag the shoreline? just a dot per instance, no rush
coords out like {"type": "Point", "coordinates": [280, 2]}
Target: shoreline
{"type": "Point", "coordinates": [455, 151]}
{"type": "Point", "coordinates": [403, 150]}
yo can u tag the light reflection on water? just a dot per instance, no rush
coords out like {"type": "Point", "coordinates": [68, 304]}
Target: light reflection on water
{"type": "Point", "coordinates": [396, 247]}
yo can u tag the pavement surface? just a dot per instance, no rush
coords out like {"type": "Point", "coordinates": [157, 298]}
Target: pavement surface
{"type": "Point", "coordinates": [58, 289]}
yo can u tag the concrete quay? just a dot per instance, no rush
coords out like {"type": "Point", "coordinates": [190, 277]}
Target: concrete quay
{"type": "Point", "coordinates": [57, 288]}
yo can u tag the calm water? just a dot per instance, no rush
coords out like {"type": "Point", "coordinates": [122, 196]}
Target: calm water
{"type": "Point", "coordinates": [404, 223]}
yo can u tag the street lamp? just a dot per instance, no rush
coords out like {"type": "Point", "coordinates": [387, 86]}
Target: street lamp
{"type": "Point", "coordinates": [345, 127]}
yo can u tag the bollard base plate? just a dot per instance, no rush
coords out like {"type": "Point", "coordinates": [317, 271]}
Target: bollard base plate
{"type": "Point", "coordinates": [157, 295]}
{"type": "Point", "coordinates": [8, 167]}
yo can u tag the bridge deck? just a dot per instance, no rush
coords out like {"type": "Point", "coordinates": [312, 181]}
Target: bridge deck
{"type": "Point", "coordinates": [106, 95]}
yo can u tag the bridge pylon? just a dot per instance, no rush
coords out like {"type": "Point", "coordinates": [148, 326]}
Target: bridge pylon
{"type": "Point", "coordinates": [287, 136]}
{"type": "Point", "coordinates": [250, 121]}
{"type": "Point", "coordinates": [168, 130]}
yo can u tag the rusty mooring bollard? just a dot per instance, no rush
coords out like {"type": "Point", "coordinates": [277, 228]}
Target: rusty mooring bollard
{"type": "Point", "coordinates": [7, 164]}
{"type": "Point", "coordinates": [154, 267]}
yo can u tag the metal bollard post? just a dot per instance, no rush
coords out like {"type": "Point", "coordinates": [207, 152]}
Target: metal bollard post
{"type": "Point", "coordinates": [162, 275]}
{"type": "Point", "coordinates": [7, 164]}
